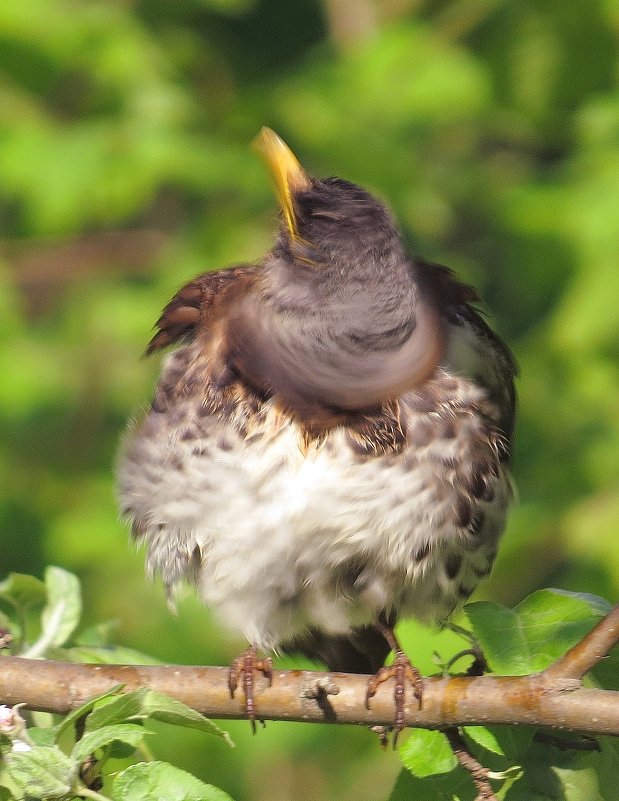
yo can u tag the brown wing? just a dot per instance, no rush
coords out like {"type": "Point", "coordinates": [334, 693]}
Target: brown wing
{"type": "Point", "coordinates": [443, 283]}
{"type": "Point", "coordinates": [457, 302]}
{"type": "Point", "coordinates": [196, 304]}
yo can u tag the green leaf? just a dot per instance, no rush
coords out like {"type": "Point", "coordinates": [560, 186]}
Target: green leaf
{"type": "Point", "coordinates": [83, 710]}
{"type": "Point", "coordinates": [453, 786]}
{"type": "Point", "coordinates": [22, 590]}
{"type": "Point", "coordinates": [42, 772]}
{"type": "Point", "coordinates": [426, 753]}
{"type": "Point", "coordinates": [125, 707]}
{"type": "Point", "coordinates": [160, 780]}
{"type": "Point", "coordinates": [7, 783]}
{"type": "Point", "coordinates": [64, 605]}
{"type": "Point", "coordinates": [606, 671]}
{"type": "Point", "coordinates": [169, 710]}
{"type": "Point", "coordinates": [129, 733]}
{"type": "Point", "coordinates": [6, 622]}
{"type": "Point", "coordinates": [98, 635]}
{"type": "Point", "coordinates": [120, 750]}
{"type": "Point", "coordinates": [536, 632]}
{"type": "Point", "coordinates": [143, 703]}
{"type": "Point", "coordinates": [44, 720]}
{"type": "Point", "coordinates": [484, 737]}
{"type": "Point", "coordinates": [40, 736]}
{"type": "Point", "coordinates": [551, 774]}
{"type": "Point", "coordinates": [510, 741]}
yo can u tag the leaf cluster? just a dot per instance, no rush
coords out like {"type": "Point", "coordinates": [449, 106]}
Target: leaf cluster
{"type": "Point", "coordinates": [67, 759]}
{"type": "Point", "coordinates": [71, 759]}
{"type": "Point", "coordinates": [42, 617]}
{"type": "Point", "coordinates": [524, 763]}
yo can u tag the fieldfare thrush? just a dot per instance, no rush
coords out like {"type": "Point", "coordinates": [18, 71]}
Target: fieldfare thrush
{"type": "Point", "coordinates": [328, 444]}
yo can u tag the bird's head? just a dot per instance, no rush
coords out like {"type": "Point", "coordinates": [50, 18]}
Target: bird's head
{"type": "Point", "coordinates": [330, 222]}
{"type": "Point", "coordinates": [339, 319]}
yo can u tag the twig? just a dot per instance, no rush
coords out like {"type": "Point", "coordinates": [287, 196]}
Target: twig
{"type": "Point", "coordinates": [85, 792]}
{"type": "Point", "coordinates": [478, 773]}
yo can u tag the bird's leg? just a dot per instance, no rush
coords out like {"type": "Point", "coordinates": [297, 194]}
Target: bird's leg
{"type": "Point", "coordinates": [401, 670]}
{"type": "Point", "coordinates": [243, 668]}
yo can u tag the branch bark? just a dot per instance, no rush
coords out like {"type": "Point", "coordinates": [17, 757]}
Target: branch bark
{"type": "Point", "coordinates": [553, 698]}
{"type": "Point", "coordinates": [453, 701]}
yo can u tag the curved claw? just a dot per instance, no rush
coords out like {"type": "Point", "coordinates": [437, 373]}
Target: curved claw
{"type": "Point", "coordinates": [243, 667]}
{"type": "Point", "coordinates": [401, 670]}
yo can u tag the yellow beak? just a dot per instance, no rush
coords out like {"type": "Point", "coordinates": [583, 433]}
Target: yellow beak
{"type": "Point", "coordinates": [287, 174]}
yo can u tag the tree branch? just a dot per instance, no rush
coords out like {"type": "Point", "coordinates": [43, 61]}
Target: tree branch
{"type": "Point", "coordinates": [588, 652]}
{"type": "Point", "coordinates": [552, 698]}
{"type": "Point", "coordinates": [453, 701]}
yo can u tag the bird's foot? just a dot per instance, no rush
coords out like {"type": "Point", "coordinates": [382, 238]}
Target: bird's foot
{"type": "Point", "coordinates": [402, 670]}
{"type": "Point", "coordinates": [243, 669]}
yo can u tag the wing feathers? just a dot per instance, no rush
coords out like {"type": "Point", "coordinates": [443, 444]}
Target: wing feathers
{"type": "Point", "coordinates": [197, 302]}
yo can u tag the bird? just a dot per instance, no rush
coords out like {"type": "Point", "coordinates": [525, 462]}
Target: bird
{"type": "Point", "coordinates": [327, 449]}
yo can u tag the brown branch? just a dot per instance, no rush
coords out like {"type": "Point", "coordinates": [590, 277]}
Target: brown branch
{"type": "Point", "coordinates": [588, 652]}
{"type": "Point", "coordinates": [451, 701]}
{"type": "Point", "coordinates": [478, 773]}
{"type": "Point", "coordinates": [553, 698]}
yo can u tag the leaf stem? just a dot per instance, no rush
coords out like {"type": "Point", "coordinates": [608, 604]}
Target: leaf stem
{"type": "Point", "coordinates": [86, 792]}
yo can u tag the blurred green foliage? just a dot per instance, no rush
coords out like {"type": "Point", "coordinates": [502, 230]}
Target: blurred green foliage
{"type": "Point", "coordinates": [492, 129]}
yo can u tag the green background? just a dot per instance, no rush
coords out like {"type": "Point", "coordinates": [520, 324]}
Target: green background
{"type": "Point", "coordinates": [492, 130]}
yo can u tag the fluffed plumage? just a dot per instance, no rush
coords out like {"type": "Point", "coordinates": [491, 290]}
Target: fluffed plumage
{"type": "Point", "coordinates": [328, 444]}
